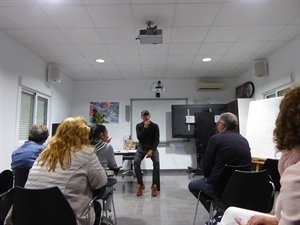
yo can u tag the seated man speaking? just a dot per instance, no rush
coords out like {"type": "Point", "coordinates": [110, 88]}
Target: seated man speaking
{"type": "Point", "coordinates": [226, 147]}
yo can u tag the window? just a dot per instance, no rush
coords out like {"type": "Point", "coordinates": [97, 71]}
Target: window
{"type": "Point", "coordinates": [278, 92]}
{"type": "Point", "coordinates": [33, 110]}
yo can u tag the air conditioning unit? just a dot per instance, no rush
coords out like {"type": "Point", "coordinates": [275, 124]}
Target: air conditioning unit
{"type": "Point", "coordinates": [210, 85]}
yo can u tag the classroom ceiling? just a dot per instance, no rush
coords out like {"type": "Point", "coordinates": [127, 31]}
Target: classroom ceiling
{"type": "Point", "coordinates": [72, 34]}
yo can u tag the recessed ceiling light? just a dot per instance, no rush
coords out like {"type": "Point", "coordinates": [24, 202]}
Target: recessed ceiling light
{"type": "Point", "coordinates": [100, 60]}
{"type": "Point", "coordinates": [206, 59]}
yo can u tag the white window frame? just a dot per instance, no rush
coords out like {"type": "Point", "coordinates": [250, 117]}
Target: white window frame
{"type": "Point", "coordinates": [36, 95]}
{"type": "Point", "coordinates": [275, 92]}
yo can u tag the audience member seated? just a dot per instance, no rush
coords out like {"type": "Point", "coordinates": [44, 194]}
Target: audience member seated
{"type": "Point", "coordinates": [105, 152]}
{"type": "Point", "coordinates": [70, 163]}
{"type": "Point", "coordinates": [226, 147]}
{"type": "Point", "coordinates": [287, 139]}
{"type": "Point", "coordinates": [25, 155]}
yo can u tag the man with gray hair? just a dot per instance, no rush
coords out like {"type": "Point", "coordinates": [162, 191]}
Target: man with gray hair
{"type": "Point", "coordinates": [25, 155]}
{"type": "Point", "coordinates": [227, 147]}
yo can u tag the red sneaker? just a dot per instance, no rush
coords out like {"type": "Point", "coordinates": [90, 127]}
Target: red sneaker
{"type": "Point", "coordinates": [154, 190]}
{"type": "Point", "coordinates": [140, 190]}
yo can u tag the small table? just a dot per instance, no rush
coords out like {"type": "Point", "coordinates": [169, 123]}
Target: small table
{"type": "Point", "coordinates": [127, 155]}
{"type": "Point", "coordinates": [125, 152]}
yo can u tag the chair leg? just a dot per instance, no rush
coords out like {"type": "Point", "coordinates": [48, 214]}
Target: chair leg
{"type": "Point", "coordinates": [211, 213]}
{"type": "Point", "coordinates": [113, 205]}
{"type": "Point", "coordinates": [196, 208]}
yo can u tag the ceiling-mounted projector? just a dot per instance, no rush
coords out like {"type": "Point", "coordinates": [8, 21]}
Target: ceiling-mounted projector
{"type": "Point", "coordinates": [151, 35]}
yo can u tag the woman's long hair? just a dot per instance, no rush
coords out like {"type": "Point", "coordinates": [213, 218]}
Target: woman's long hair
{"type": "Point", "coordinates": [287, 131]}
{"type": "Point", "coordinates": [71, 135]}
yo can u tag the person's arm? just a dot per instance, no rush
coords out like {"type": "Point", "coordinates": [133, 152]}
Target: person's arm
{"type": "Point", "coordinates": [110, 156]}
{"type": "Point", "coordinates": [141, 132]}
{"type": "Point", "coordinates": [288, 207]}
{"type": "Point", "coordinates": [155, 137]}
{"type": "Point", "coordinates": [208, 157]}
{"type": "Point", "coordinates": [96, 174]}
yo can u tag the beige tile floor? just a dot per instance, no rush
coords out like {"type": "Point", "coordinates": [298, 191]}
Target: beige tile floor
{"type": "Point", "coordinates": [174, 205]}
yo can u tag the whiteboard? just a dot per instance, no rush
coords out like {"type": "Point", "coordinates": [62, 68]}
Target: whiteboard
{"type": "Point", "coordinates": [160, 110]}
{"type": "Point", "coordinates": [260, 125]}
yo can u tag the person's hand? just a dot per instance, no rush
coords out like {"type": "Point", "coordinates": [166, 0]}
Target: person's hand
{"type": "Point", "coordinates": [146, 123]}
{"type": "Point", "coordinates": [240, 221]}
{"type": "Point", "coordinates": [108, 140]}
{"type": "Point", "coordinates": [149, 154]}
{"type": "Point", "coordinates": [258, 220]}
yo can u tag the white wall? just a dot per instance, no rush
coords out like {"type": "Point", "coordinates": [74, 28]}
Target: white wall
{"type": "Point", "coordinates": [281, 63]}
{"type": "Point", "coordinates": [17, 61]}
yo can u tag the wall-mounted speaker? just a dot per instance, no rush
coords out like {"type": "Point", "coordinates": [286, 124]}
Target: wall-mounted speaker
{"type": "Point", "coordinates": [54, 74]}
{"type": "Point", "coordinates": [260, 68]}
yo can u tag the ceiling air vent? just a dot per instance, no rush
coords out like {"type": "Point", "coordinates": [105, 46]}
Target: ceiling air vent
{"type": "Point", "coordinates": [209, 85]}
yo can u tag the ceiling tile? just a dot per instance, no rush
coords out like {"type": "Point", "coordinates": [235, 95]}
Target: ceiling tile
{"type": "Point", "coordinates": [153, 59]}
{"type": "Point", "coordinates": [214, 48]}
{"type": "Point", "coordinates": [279, 13]}
{"type": "Point", "coordinates": [180, 59]}
{"type": "Point", "coordinates": [288, 33]}
{"type": "Point", "coordinates": [267, 48]}
{"type": "Point", "coordinates": [83, 36]}
{"type": "Point", "coordinates": [122, 49]}
{"type": "Point", "coordinates": [153, 49]}
{"type": "Point", "coordinates": [245, 47]}
{"type": "Point", "coordinates": [188, 34]}
{"type": "Point", "coordinates": [22, 37]}
{"type": "Point", "coordinates": [260, 33]}
{"type": "Point", "coordinates": [6, 23]}
{"type": "Point", "coordinates": [93, 50]}
{"type": "Point", "coordinates": [161, 14]}
{"type": "Point", "coordinates": [47, 36]}
{"type": "Point", "coordinates": [118, 35]}
{"type": "Point", "coordinates": [184, 49]}
{"type": "Point", "coordinates": [132, 59]}
{"type": "Point", "coordinates": [198, 14]}
{"type": "Point", "coordinates": [65, 16]}
{"type": "Point", "coordinates": [224, 34]}
{"type": "Point", "coordinates": [73, 62]}
{"type": "Point", "coordinates": [62, 50]}
{"type": "Point", "coordinates": [125, 68]}
{"type": "Point", "coordinates": [239, 13]}
{"type": "Point", "coordinates": [27, 17]}
{"type": "Point", "coordinates": [236, 58]}
{"type": "Point", "coordinates": [106, 68]}
{"type": "Point", "coordinates": [111, 16]}
{"type": "Point", "coordinates": [41, 51]}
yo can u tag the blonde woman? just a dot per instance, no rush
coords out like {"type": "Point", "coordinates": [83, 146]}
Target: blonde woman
{"type": "Point", "coordinates": [70, 163]}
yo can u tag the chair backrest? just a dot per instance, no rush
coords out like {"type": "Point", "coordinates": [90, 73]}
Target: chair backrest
{"type": "Point", "coordinates": [224, 177]}
{"type": "Point", "coordinates": [41, 207]}
{"type": "Point", "coordinates": [6, 181]}
{"type": "Point", "coordinates": [21, 175]}
{"type": "Point", "coordinates": [107, 190]}
{"type": "Point", "coordinates": [271, 165]}
{"type": "Point", "coordinates": [5, 204]}
{"type": "Point", "coordinates": [249, 190]}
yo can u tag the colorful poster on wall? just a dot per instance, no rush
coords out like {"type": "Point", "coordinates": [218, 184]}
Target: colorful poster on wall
{"type": "Point", "coordinates": [104, 112]}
